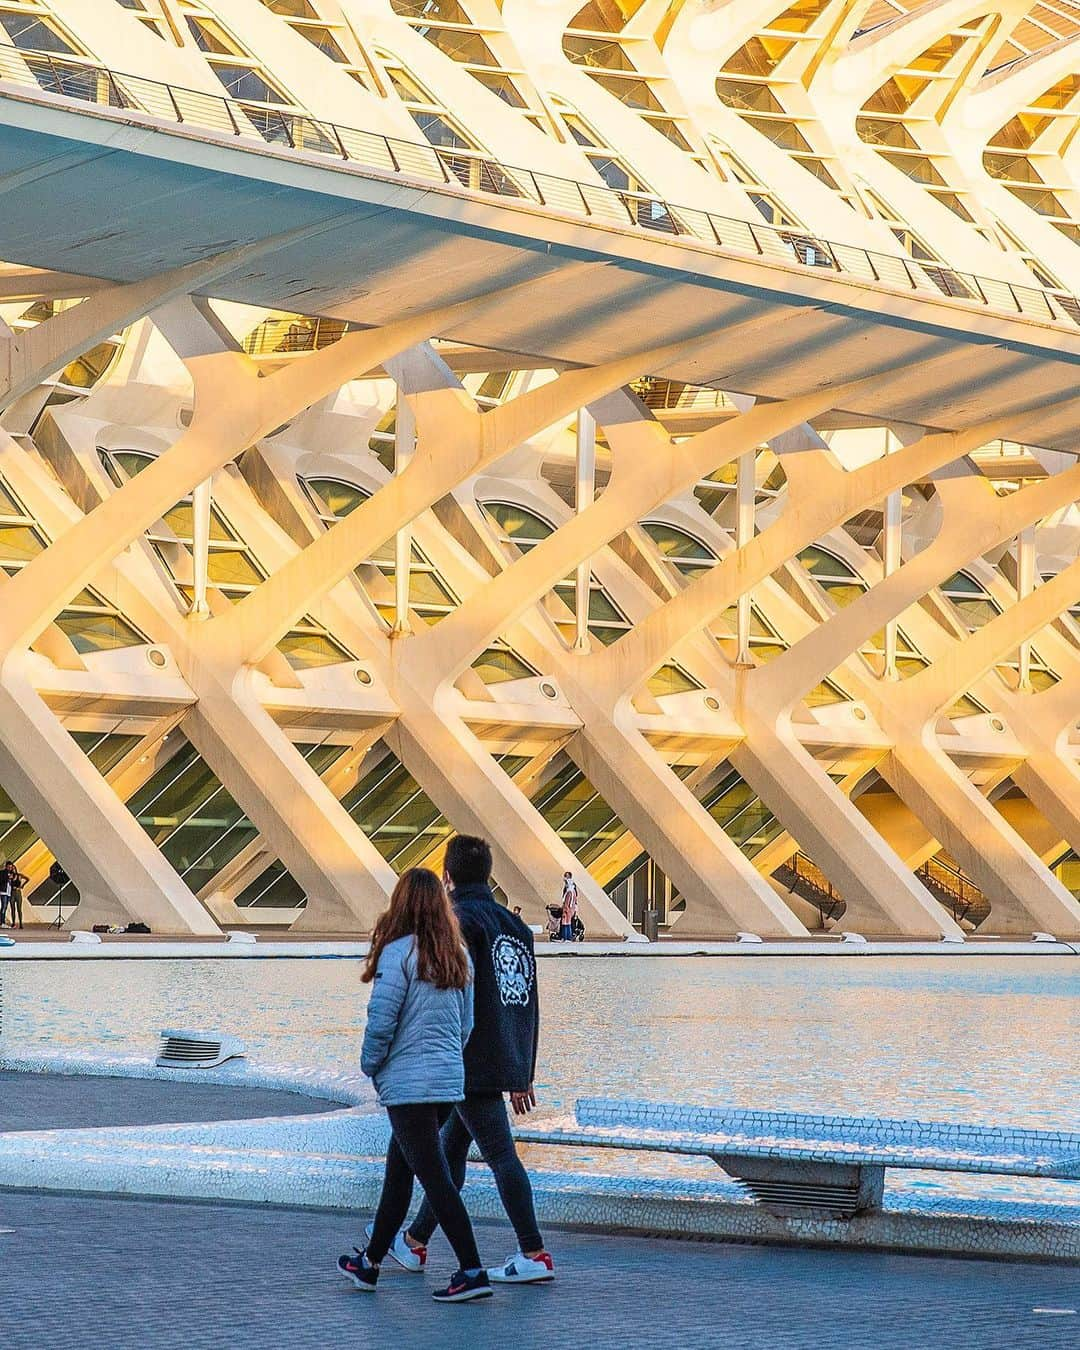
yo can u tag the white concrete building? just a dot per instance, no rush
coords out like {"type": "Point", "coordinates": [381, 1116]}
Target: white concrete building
{"type": "Point", "coordinates": [643, 432]}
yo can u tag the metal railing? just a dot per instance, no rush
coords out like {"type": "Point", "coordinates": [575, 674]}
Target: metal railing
{"type": "Point", "coordinates": [85, 82]}
{"type": "Point", "coordinates": [805, 879]}
{"type": "Point", "coordinates": [961, 897]}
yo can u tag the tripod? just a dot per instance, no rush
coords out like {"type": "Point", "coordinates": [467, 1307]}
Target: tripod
{"type": "Point", "coordinates": [58, 922]}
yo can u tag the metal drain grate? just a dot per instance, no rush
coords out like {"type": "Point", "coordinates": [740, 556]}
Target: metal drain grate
{"type": "Point", "coordinates": [197, 1049]}
{"type": "Point", "coordinates": [806, 1198]}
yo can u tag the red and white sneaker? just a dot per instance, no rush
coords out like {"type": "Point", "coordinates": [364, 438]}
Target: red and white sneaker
{"type": "Point", "coordinates": [521, 1269]}
{"type": "Point", "coordinates": [412, 1259]}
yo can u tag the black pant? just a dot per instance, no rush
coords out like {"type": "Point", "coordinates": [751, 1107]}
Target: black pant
{"type": "Point", "coordinates": [484, 1119]}
{"type": "Point", "coordinates": [16, 907]}
{"type": "Point", "coordinates": [416, 1151]}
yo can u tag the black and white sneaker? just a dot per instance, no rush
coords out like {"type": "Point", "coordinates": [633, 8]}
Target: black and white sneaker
{"type": "Point", "coordinates": [464, 1288]}
{"type": "Point", "coordinates": [357, 1268]}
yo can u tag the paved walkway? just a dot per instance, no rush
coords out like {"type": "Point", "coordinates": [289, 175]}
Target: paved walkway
{"type": "Point", "coordinates": [48, 1101]}
{"type": "Point", "coordinates": [83, 1273]}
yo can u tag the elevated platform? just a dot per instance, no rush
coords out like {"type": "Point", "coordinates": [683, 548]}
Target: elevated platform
{"type": "Point", "coordinates": [372, 245]}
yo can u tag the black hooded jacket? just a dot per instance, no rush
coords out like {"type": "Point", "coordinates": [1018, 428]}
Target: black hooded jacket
{"type": "Point", "coordinates": [501, 1052]}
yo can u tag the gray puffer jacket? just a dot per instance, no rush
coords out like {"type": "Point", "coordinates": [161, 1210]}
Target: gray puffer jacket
{"type": "Point", "coordinates": [415, 1033]}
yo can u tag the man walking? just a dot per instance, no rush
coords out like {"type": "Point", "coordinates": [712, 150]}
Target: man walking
{"type": "Point", "coordinates": [500, 1057]}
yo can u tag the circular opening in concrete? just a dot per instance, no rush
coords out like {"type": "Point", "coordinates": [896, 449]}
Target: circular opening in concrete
{"type": "Point", "coordinates": [859, 714]}
{"type": "Point", "coordinates": [157, 658]}
{"type": "Point", "coordinates": [713, 704]}
{"type": "Point", "coordinates": [362, 676]}
{"type": "Point", "coordinates": [548, 690]}
{"type": "Point", "coordinates": [997, 724]}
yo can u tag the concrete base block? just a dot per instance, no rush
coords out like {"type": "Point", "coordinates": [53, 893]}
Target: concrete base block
{"type": "Point", "coordinates": [807, 1189]}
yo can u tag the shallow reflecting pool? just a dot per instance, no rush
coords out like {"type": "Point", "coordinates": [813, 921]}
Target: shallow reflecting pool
{"type": "Point", "coordinates": [991, 1040]}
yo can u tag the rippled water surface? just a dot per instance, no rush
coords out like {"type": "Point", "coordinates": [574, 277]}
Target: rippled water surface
{"type": "Point", "coordinates": [990, 1040]}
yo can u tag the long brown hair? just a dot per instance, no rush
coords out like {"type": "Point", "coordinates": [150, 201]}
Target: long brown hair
{"type": "Point", "coordinates": [420, 908]}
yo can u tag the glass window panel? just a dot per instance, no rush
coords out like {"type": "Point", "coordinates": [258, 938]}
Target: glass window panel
{"type": "Point", "coordinates": [843, 593]}
{"type": "Point", "coordinates": [975, 613]}
{"type": "Point", "coordinates": [305, 651]}
{"type": "Point", "coordinates": [820, 563]}
{"type": "Point", "coordinates": [131, 461]}
{"type": "Point", "coordinates": [497, 665]}
{"type": "Point", "coordinates": [232, 567]}
{"type": "Point", "coordinates": [338, 498]}
{"type": "Point", "coordinates": [98, 632]}
{"type": "Point", "coordinates": [676, 543]}
{"type": "Point", "coordinates": [635, 93]}
{"type": "Point", "coordinates": [8, 505]}
{"type": "Point", "coordinates": [448, 11]}
{"type": "Point", "coordinates": [379, 795]}
{"type": "Point", "coordinates": [962, 583]}
{"type": "Point", "coordinates": [426, 589]}
{"type": "Point", "coordinates": [19, 543]}
{"type": "Point", "coordinates": [671, 680]}
{"type": "Point", "coordinates": [245, 82]}
{"type": "Point", "coordinates": [517, 522]}
{"type": "Point", "coordinates": [824, 694]}
{"type": "Point", "coordinates": [179, 797]}
{"type": "Point", "coordinates": [274, 888]}
{"type": "Point", "coordinates": [30, 34]}
{"type": "Point", "coordinates": [460, 45]}
{"type": "Point", "coordinates": [731, 800]}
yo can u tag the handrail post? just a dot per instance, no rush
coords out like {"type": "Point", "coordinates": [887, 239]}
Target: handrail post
{"type": "Point", "coordinates": [232, 116]}
{"type": "Point", "coordinates": [337, 137]}
{"type": "Point", "coordinates": [390, 152]}
{"type": "Point", "coordinates": [176, 106]}
{"type": "Point", "coordinates": [536, 189]}
{"type": "Point", "coordinates": [754, 236]}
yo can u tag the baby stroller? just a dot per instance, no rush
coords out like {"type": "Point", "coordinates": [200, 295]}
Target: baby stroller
{"type": "Point", "coordinates": [554, 925]}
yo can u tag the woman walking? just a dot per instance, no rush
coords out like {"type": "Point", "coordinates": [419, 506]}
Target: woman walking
{"type": "Point", "coordinates": [419, 1017]}
{"type": "Point", "coordinates": [569, 907]}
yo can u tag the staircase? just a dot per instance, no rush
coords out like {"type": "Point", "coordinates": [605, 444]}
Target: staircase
{"type": "Point", "coordinates": [806, 880]}
{"type": "Point", "coordinates": [961, 897]}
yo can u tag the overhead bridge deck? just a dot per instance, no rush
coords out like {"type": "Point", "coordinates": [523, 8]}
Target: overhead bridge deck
{"type": "Point", "coordinates": [118, 194]}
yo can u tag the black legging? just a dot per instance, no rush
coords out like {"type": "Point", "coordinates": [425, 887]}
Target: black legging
{"type": "Point", "coordinates": [416, 1151]}
{"type": "Point", "coordinates": [483, 1118]}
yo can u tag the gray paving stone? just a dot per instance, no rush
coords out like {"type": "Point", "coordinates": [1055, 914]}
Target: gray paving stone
{"type": "Point", "coordinates": [46, 1101]}
{"type": "Point", "coordinates": [84, 1273]}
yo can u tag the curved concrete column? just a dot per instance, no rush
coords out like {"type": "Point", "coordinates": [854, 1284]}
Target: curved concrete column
{"type": "Point", "coordinates": [975, 521]}
{"type": "Point", "coordinates": [232, 408]}
{"type": "Point", "coordinates": [345, 877]}
{"type": "Point", "coordinates": [678, 832]}
{"type": "Point", "coordinates": [1022, 891]}
{"type": "Point", "coordinates": [1049, 775]}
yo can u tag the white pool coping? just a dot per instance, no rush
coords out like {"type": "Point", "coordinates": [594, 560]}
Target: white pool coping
{"type": "Point", "coordinates": [116, 949]}
{"type": "Point", "coordinates": [334, 1160]}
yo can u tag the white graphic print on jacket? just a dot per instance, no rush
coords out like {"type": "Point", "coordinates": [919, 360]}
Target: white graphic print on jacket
{"type": "Point", "coordinates": [514, 972]}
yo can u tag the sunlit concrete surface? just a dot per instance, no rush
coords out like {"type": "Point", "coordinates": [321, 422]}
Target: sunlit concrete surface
{"type": "Point", "coordinates": [642, 433]}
